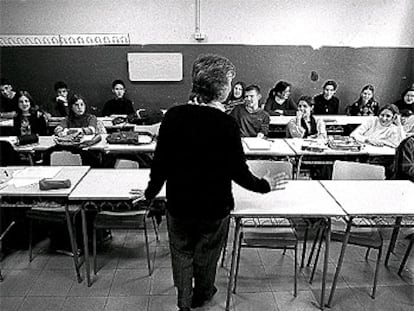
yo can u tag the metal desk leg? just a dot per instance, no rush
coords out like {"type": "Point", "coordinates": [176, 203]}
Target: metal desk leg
{"type": "Point", "coordinates": [326, 259]}
{"type": "Point", "coordinates": [340, 261]}
{"type": "Point", "coordinates": [394, 237]}
{"type": "Point", "coordinates": [237, 232]}
{"type": "Point", "coordinates": [298, 167]}
{"type": "Point", "coordinates": [73, 243]}
{"type": "Point", "coordinates": [86, 246]}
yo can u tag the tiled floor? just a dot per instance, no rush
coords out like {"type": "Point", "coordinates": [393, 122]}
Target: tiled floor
{"type": "Point", "coordinates": [265, 281]}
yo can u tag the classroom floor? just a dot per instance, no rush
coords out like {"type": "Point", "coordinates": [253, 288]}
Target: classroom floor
{"type": "Point", "coordinates": [265, 280]}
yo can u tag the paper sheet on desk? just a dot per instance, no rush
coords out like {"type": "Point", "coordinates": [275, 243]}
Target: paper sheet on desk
{"type": "Point", "coordinates": [254, 143]}
{"type": "Point", "coordinates": [37, 172]}
{"type": "Point", "coordinates": [22, 182]}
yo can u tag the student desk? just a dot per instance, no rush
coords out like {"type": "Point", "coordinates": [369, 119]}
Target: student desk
{"type": "Point", "coordinates": [299, 199]}
{"type": "Point", "coordinates": [368, 198]}
{"type": "Point", "coordinates": [328, 119]}
{"type": "Point", "coordinates": [254, 146]}
{"type": "Point", "coordinates": [328, 155]}
{"type": "Point", "coordinates": [107, 185]}
{"type": "Point", "coordinates": [335, 124]}
{"type": "Point", "coordinates": [22, 191]}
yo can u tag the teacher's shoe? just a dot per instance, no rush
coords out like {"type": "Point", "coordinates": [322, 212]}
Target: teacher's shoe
{"type": "Point", "coordinates": [199, 301]}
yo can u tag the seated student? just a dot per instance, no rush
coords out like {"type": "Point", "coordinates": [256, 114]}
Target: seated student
{"type": "Point", "coordinates": [407, 121]}
{"type": "Point", "coordinates": [78, 118]}
{"type": "Point", "coordinates": [119, 104]}
{"type": "Point", "coordinates": [236, 96]}
{"type": "Point", "coordinates": [60, 102]}
{"type": "Point", "coordinates": [28, 119]}
{"type": "Point", "coordinates": [252, 120]}
{"type": "Point", "coordinates": [407, 100]}
{"type": "Point", "coordinates": [305, 124]}
{"type": "Point", "coordinates": [279, 101]}
{"type": "Point", "coordinates": [386, 129]}
{"type": "Point", "coordinates": [366, 105]}
{"type": "Point", "coordinates": [404, 160]}
{"type": "Point", "coordinates": [326, 102]}
{"type": "Point", "coordinates": [8, 101]}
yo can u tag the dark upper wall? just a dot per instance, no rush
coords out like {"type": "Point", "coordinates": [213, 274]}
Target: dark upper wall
{"type": "Point", "coordinates": [90, 70]}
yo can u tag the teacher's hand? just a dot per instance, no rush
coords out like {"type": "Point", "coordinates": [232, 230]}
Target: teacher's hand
{"type": "Point", "coordinates": [137, 195]}
{"type": "Point", "coordinates": [277, 181]}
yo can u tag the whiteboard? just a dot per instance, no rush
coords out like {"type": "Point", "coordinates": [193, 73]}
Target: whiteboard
{"type": "Point", "coordinates": [155, 66]}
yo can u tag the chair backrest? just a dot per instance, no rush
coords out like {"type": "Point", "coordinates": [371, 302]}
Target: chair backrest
{"type": "Point", "coordinates": [125, 164]}
{"type": "Point", "coordinates": [343, 170]}
{"type": "Point", "coordinates": [153, 129]}
{"type": "Point", "coordinates": [66, 158]}
{"type": "Point", "coordinates": [261, 167]}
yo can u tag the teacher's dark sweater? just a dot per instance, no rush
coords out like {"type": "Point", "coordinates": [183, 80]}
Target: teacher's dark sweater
{"type": "Point", "coordinates": [199, 152]}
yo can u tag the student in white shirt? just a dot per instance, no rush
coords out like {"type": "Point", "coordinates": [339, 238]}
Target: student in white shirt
{"type": "Point", "coordinates": [384, 130]}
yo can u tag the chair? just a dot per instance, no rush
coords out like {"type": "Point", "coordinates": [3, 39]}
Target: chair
{"type": "Point", "coordinates": [407, 253]}
{"type": "Point", "coordinates": [56, 213]}
{"type": "Point", "coordinates": [1, 241]}
{"type": "Point", "coordinates": [365, 237]}
{"type": "Point", "coordinates": [123, 216]}
{"type": "Point", "coordinates": [126, 164]}
{"type": "Point", "coordinates": [271, 233]}
{"type": "Point", "coordinates": [65, 158]}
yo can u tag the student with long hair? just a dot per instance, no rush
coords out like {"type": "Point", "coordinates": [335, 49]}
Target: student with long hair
{"type": "Point", "coordinates": [279, 101]}
{"type": "Point", "coordinates": [28, 120]}
{"type": "Point", "coordinates": [384, 130]}
{"type": "Point", "coordinates": [366, 105]}
{"type": "Point", "coordinates": [305, 125]}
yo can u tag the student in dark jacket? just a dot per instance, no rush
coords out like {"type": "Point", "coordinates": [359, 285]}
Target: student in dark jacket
{"type": "Point", "coordinates": [61, 101]}
{"type": "Point", "coordinates": [327, 102]}
{"type": "Point", "coordinates": [8, 100]}
{"type": "Point", "coordinates": [28, 119]}
{"type": "Point", "coordinates": [199, 153]}
{"type": "Point", "coordinates": [407, 100]}
{"type": "Point", "coordinates": [279, 101]}
{"type": "Point", "coordinates": [119, 104]}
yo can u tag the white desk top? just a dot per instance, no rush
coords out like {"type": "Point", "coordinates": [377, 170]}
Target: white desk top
{"type": "Point", "coordinates": [270, 147]}
{"type": "Point", "coordinates": [300, 198]}
{"type": "Point", "coordinates": [328, 119]}
{"type": "Point", "coordinates": [111, 184]}
{"type": "Point", "coordinates": [296, 145]}
{"type": "Point", "coordinates": [373, 197]}
{"type": "Point", "coordinates": [45, 142]}
{"type": "Point", "coordinates": [29, 186]}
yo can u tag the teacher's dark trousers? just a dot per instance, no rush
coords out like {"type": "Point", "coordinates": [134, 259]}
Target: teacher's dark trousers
{"type": "Point", "coordinates": [195, 246]}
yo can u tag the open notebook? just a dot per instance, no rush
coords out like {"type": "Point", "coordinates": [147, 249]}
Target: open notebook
{"type": "Point", "coordinates": [254, 143]}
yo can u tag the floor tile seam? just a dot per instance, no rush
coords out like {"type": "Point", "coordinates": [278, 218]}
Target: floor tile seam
{"type": "Point", "coordinates": [112, 281]}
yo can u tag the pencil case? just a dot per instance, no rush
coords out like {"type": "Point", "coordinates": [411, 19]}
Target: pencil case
{"type": "Point", "coordinates": [49, 183]}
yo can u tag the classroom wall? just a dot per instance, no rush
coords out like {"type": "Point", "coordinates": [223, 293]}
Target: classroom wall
{"type": "Point", "coordinates": [353, 42]}
{"type": "Point", "coordinates": [356, 23]}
